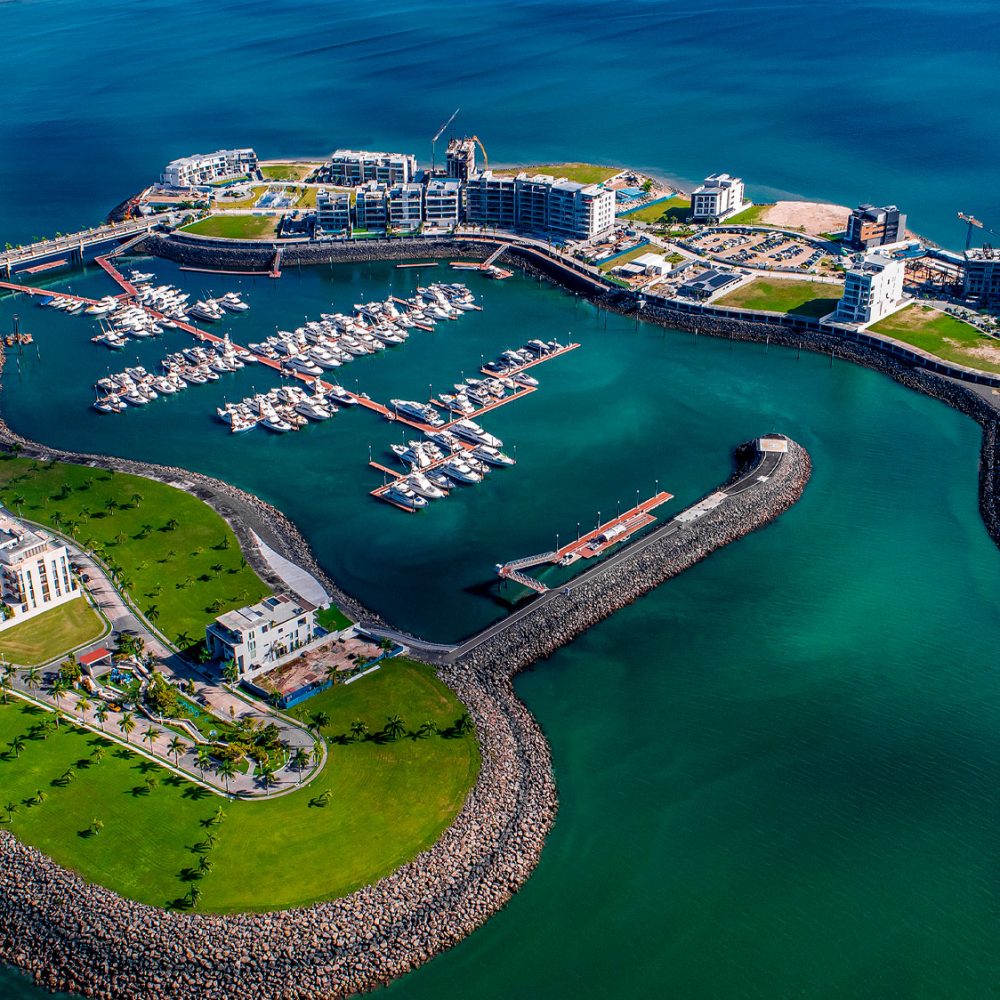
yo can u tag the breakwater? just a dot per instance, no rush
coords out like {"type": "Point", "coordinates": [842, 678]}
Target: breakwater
{"type": "Point", "coordinates": [72, 935]}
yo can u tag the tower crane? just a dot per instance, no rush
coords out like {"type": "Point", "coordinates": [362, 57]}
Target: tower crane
{"type": "Point", "coordinates": [973, 223]}
{"type": "Point", "coordinates": [440, 131]}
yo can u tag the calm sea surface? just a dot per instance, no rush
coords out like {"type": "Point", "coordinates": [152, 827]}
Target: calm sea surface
{"type": "Point", "coordinates": [778, 772]}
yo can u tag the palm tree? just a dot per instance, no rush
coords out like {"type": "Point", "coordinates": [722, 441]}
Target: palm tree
{"type": "Point", "coordinates": [150, 735]}
{"type": "Point", "coordinates": [359, 729]}
{"type": "Point", "coordinates": [226, 770]}
{"type": "Point", "coordinates": [317, 754]}
{"type": "Point", "coordinates": [56, 519]}
{"type": "Point", "coordinates": [205, 865]}
{"type": "Point", "coordinates": [111, 505]}
{"type": "Point", "coordinates": [152, 613]}
{"type": "Point", "coordinates": [151, 782]}
{"type": "Point", "coordinates": [11, 808]}
{"type": "Point", "coordinates": [98, 753]}
{"type": "Point", "coordinates": [301, 761]}
{"type": "Point", "coordinates": [183, 639]}
{"type": "Point", "coordinates": [58, 692]}
{"type": "Point", "coordinates": [136, 499]}
{"type": "Point", "coordinates": [101, 715]}
{"type": "Point", "coordinates": [464, 724]}
{"type": "Point", "coordinates": [331, 673]}
{"type": "Point", "coordinates": [6, 676]}
{"type": "Point", "coordinates": [426, 729]}
{"type": "Point", "coordinates": [394, 727]}
{"type": "Point", "coordinates": [194, 895]}
{"type": "Point", "coordinates": [176, 747]}
{"type": "Point", "coordinates": [121, 538]}
{"type": "Point", "coordinates": [173, 524]}
{"type": "Point", "coordinates": [204, 757]}
{"type": "Point", "coordinates": [40, 796]}
{"type": "Point", "coordinates": [17, 744]}
{"type": "Point", "coordinates": [127, 726]}
{"type": "Point", "coordinates": [230, 671]}
{"type": "Point", "coordinates": [268, 776]}
{"type": "Point", "coordinates": [95, 828]}
{"type": "Point", "coordinates": [18, 501]}
{"type": "Point", "coordinates": [33, 680]}
{"type": "Point", "coordinates": [83, 705]}
{"type": "Point", "coordinates": [320, 721]}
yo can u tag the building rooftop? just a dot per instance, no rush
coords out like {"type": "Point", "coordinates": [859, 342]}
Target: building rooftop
{"type": "Point", "coordinates": [17, 539]}
{"type": "Point", "coordinates": [872, 263]}
{"type": "Point", "coordinates": [271, 611]}
{"type": "Point", "coordinates": [982, 253]}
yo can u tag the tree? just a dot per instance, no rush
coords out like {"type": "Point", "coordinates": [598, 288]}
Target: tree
{"type": "Point", "coordinates": [83, 705]}
{"type": "Point", "coordinates": [464, 723]}
{"type": "Point", "coordinates": [121, 538]}
{"type": "Point", "coordinates": [11, 808]}
{"type": "Point", "coordinates": [204, 758]}
{"type": "Point", "coordinates": [150, 735]}
{"type": "Point", "coordinates": [176, 747]}
{"type": "Point", "coordinates": [111, 505]}
{"type": "Point", "coordinates": [218, 816]}
{"type": "Point", "coordinates": [17, 744]}
{"type": "Point", "coordinates": [152, 613]}
{"type": "Point", "coordinates": [394, 727]}
{"type": "Point", "coordinates": [101, 715]}
{"type": "Point", "coordinates": [33, 679]}
{"type": "Point", "coordinates": [95, 827]}
{"type": "Point", "coordinates": [230, 671]}
{"type": "Point", "coordinates": [98, 753]}
{"type": "Point", "coordinates": [268, 776]}
{"type": "Point", "coordinates": [151, 782]}
{"type": "Point", "coordinates": [227, 771]}
{"type": "Point", "coordinates": [359, 730]}
{"type": "Point", "coordinates": [40, 796]}
{"type": "Point", "coordinates": [301, 761]}
{"type": "Point", "coordinates": [331, 673]}
{"type": "Point", "coordinates": [317, 754]}
{"type": "Point", "coordinates": [59, 689]}
{"type": "Point", "coordinates": [205, 865]}
{"type": "Point", "coordinates": [18, 501]}
{"type": "Point", "coordinates": [194, 896]}
{"type": "Point", "coordinates": [127, 725]}
{"type": "Point", "coordinates": [6, 676]}
{"type": "Point", "coordinates": [320, 721]}
{"type": "Point", "coordinates": [136, 499]}
{"type": "Point", "coordinates": [173, 524]}
{"type": "Point", "coordinates": [225, 543]}
{"type": "Point", "coordinates": [183, 639]}
{"type": "Point", "coordinates": [426, 729]}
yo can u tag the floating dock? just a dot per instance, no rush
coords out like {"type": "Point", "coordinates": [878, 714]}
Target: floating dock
{"type": "Point", "coordinates": [596, 542]}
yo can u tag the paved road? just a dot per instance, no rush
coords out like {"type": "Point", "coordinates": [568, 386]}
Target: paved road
{"type": "Point", "coordinates": [766, 467]}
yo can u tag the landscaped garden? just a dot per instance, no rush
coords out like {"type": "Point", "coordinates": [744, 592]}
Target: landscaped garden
{"type": "Point", "coordinates": [288, 171]}
{"type": "Point", "coordinates": [943, 336]}
{"type": "Point", "coordinates": [51, 633]}
{"type": "Point", "coordinates": [669, 212]}
{"type": "Point", "coordinates": [582, 173]}
{"type": "Point", "coordinates": [235, 227]}
{"type": "Point", "coordinates": [803, 298]}
{"type": "Point", "coordinates": [752, 216]}
{"type": "Point", "coordinates": [176, 558]}
{"type": "Point", "coordinates": [401, 761]}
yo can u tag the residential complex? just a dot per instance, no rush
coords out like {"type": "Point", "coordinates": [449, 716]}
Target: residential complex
{"type": "Point", "coordinates": [873, 288]}
{"type": "Point", "coordinates": [259, 637]}
{"type": "Point", "coordinates": [209, 168]}
{"type": "Point", "coordinates": [868, 227]}
{"type": "Point", "coordinates": [443, 203]}
{"type": "Point", "coordinates": [491, 200]}
{"type": "Point", "coordinates": [351, 168]}
{"type": "Point", "coordinates": [333, 212]}
{"type": "Point", "coordinates": [406, 206]}
{"type": "Point", "coordinates": [371, 210]}
{"type": "Point", "coordinates": [35, 573]}
{"type": "Point", "coordinates": [982, 276]}
{"type": "Point", "coordinates": [719, 197]}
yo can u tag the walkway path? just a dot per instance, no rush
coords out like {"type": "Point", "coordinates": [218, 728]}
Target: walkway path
{"type": "Point", "coordinates": [295, 577]}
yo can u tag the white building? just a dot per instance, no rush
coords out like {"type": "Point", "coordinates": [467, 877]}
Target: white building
{"type": "Point", "coordinates": [35, 574]}
{"type": "Point", "coordinates": [406, 206]}
{"type": "Point", "coordinates": [333, 211]}
{"type": "Point", "coordinates": [262, 636]}
{"type": "Point", "coordinates": [873, 288]}
{"type": "Point", "coordinates": [491, 200]}
{"type": "Point", "coordinates": [354, 167]}
{"type": "Point", "coordinates": [581, 211]}
{"type": "Point", "coordinates": [718, 198]}
{"type": "Point", "coordinates": [443, 203]}
{"type": "Point", "coordinates": [371, 209]}
{"type": "Point", "coordinates": [653, 264]}
{"type": "Point", "coordinates": [207, 168]}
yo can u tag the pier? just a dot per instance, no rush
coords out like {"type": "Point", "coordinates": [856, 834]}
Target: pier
{"type": "Point", "coordinates": [45, 292]}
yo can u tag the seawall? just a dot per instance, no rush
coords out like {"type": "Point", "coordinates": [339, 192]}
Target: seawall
{"type": "Point", "coordinates": [71, 935]}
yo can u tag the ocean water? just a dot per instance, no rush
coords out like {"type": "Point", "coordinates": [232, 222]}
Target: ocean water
{"type": "Point", "coordinates": [777, 772]}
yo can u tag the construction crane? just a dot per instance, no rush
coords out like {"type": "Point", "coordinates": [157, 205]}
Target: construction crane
{"type": "Point", "coordinates": [440, 131]}
{"type": "Point", "coordinates": [973, 223]}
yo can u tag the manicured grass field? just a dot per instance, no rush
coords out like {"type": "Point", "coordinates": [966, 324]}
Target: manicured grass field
{"type": "Point", "coordinates": [40, 639]}
{"type": "Point", "coordinates": [804, 298]}
{"type": "Point", "coordinates": [307, 198]}
{"type": "Point", "coordinates": [288, 171]}
{"type": "Point", "coordinates": [176, 554]}
{"type": "Point", "coordinates": [388, 800]}
{"type": "Point", "coordinates": [662, 212]}
{"type": "Point", "coordinates": [582, 173]}
{"type": "Point", "coordinates": [256, 191]}
{"type": "Point", "coordinates": [749, 217]}
{"type": "Point", "coordinates": [235, 227]}
{"type": "Point", "coordinates": [332, 618]}
{"type": "Point", "coordinates": [626, 257]}
{"type": "Point", "coordinates": [942, 335]}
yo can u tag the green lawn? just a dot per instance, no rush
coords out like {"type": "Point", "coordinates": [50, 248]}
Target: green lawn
{"type": "Point", "coordinates": [388, 801]}
{"type": "Point", "coordinates": [40, 639]}
{"type": "Point", "coordinates": [288, 171]}
{"type": "Point", "coordinates": [664, 212]}
{"type": "Point", "coordinates": [582, 173]}
{"type": "Point", "coordinates": [751, 216]}
{"type": "Point", "coordinates": [626, 257]}
{"type": "Point", "coordinates": [257, 190]}
{"type": "Point", "coordinates": [181, 572]}
{"type": "Point", "coordinates": [332, 618]}
{"type": "Point", "coordinates": [236, 227]}
{"type": "Point", "coordinates": [942, 335]}
{"type": "Point", "coordinates": [803, 298]}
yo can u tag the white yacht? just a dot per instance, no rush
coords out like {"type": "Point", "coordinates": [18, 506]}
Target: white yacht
{"type": "Point", "coordinates": [491, 456]}
{"type": "Point", "coordinates": [423, 487]}
{"type": "Point", "coordinates": [461, 471]}
{"type": "Point", "coordinates": [401, 494]}
{"type": "Point", "coordinates": [469, 430]}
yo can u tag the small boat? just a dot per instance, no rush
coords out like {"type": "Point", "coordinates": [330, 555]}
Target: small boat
{"type": "Point", "coordinates": [491, 456]}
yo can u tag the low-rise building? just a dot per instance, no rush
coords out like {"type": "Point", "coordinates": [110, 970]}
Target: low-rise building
{"type": "Point", "coordinates": [981, 275]}
{"type": "Point", "coordinates": [873, 288]}
{"type": "Point", "coordinates": [653, 263]}
{"type": "Point", "coordinates": [868, 227]}
{"type": "Point", "coordinates": [491, 200]}
{"type": "Point", "coordinates": [354, 167]}
{"type": "Point", "coordinates": [719, 197]}
{"type": "Point", "coordinates": [209, 168]}
{"type": "Point", "coordinates": [371, 209]}
{"type": "Point", "coordinates": [708, 283]}
{"type": "Point", "coordinates": [35, 572]}
{"type": "Point", "coordinates": [443, 203]}
{"type": "Point", "coordinates": [259, 637]}
{"type": "Point", "coordinates": [406, 206]}
{"type": "Point", "coordinates": [333, 212]}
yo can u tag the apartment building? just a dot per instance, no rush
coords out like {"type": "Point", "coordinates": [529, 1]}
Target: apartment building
{"type": "Point", "coordinates": [371, 210]}
{"type": "Point", "coordinates": [443, 203]}
{"type": "Point", "coordinates": [333, 212]}
{"type": "Point", "coordinates": [719, 197]}
{"type": "Point", "coordinates": [873, 288]}
{"type": "Point", "coordinates": [35, 573]}
{"type": "Point", "coordinates": [208, 168]}
{"type": "Point", "coordinates": [352, 167]}
{"type": "Point", "coordinates": [491, 200]}
{"type": "Point", "coordinates": [406, 206]}
{"type": "Point", "coordinates": [981, 275]}
{"type": "Point", "coordinates": [868, 227]}
{"type": "Point", "coordinates": [260, 637]}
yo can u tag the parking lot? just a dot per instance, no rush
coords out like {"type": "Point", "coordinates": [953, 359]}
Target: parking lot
{"type": "Point", "coordinates": [758, 249]}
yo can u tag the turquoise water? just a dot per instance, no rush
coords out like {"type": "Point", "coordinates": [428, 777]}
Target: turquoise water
{"type": "Point", "coordinates": [778, 772]}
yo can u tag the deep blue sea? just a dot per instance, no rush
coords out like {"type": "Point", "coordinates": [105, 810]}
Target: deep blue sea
{"type": "Point", "coordinates": [778, 773]}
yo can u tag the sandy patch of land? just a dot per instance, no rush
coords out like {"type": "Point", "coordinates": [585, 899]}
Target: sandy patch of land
{"type": "Point", "coordinates": [983, 352]}
{"type": "Point", "coordinates": [812, 217]}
